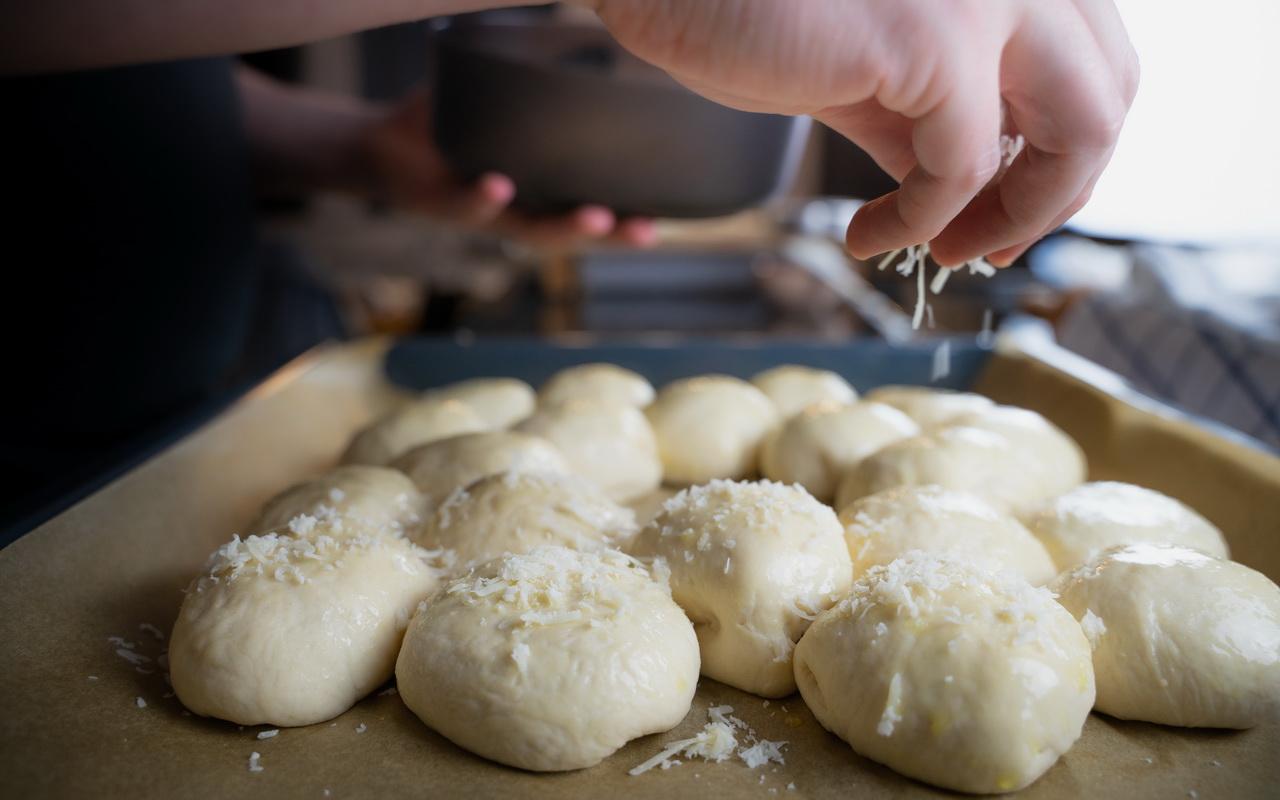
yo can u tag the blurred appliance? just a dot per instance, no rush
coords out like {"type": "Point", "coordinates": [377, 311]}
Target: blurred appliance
{"type": "Point", "coordinates": [573, 118]}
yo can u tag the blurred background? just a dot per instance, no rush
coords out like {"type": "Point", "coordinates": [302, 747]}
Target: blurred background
{"type": "Point", "coordinates": [1170, 276]}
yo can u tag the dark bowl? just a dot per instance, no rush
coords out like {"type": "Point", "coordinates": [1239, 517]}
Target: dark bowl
{"type": "Point", "coordinates": [573, 118]}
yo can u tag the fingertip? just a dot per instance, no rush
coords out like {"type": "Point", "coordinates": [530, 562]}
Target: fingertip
{"type": "Point", "coordinates": [639, 232]}
{"type": "Point", "coordinates": [496, 188]}
{"type": "Point", "coordinates": [594, 220]}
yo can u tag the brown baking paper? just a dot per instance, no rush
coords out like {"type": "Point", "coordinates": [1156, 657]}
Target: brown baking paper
{"type": "Point", "coordinates": [121, 558]}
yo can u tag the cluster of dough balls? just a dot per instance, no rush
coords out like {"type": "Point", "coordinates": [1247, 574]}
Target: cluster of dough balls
{"type": "Point", "coordinates": [919, 622]}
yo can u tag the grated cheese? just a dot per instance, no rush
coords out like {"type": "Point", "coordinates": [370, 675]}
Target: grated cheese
{"type": "Point", "coordinates": [762, 752]}
{"type": "Point", "coordinates": [139, 702]}
{"type": "Point", "coordinates": [361, 728]}
{"type": "Point", "coordinates": [1093, 628]}
{"type": "Point", "coordinates": [941, 362]}
{"type": "Point", "coordinates": [268, 734]}
{"type": "Point", "coordinates": [147, 627]}
{"type": "Point", "coordinates": [520, 655]}
{"type": "Point", "coordinates": [389, 691]}
{"type": "Point", "coordinates": [715, 742]}
{"type": "Point", "coordinates": [255, 764]}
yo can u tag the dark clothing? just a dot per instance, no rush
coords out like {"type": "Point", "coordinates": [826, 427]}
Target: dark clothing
{"type": "Point", "coordinates": [130, 272]}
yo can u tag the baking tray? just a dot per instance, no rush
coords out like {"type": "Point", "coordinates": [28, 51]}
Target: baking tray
{"type": "Point", "coordinates": [120, 558]}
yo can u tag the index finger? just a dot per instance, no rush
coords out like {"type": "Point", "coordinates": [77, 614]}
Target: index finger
{"type": "Point", "coordinates": [957, 151]}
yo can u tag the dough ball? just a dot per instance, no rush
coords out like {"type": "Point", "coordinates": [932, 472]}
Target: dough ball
{"type": "Point", "coordinates": [414, 424]}
{"type": "Point", "coordinates": [550, 660]}
{"type": "Point", "coordinates": [290, 629]}
{"type": "Point", "coordinates": [607, 383]}
{"type": "Point", "coordinates": [751, 564]}
{"type": "Point", "coordinates": [500, 402]}
{"type": "Point", "coordinates": [1179, 637]}
{"type": "Point", "coordinates": [1042, 447]}
{"type": "Point", "coordinates": [444, 465]}
{"type": "Point", "coordinates": [885, 526]}
{"type": "Point", "coordinates": [609, 444]}
{"type": "Point", "coordinates": [1091, 518]}
{"type": "Point", "coordinates": [710, 427]}
{"type": "Point", "coordinates": [818, 445]}
{"type": "Point", "coordinates": [370, 499]}
{"type": "Point", "coordinates": [963, 459]}
{"type": "Point", "coordinates": [929, 407]}
{"type": "Point", "coordinates": [513, 512]}
{"type": "Point", "coordinates": [949, 674]}
{"type": "Point", "coordinates": [792, 388]}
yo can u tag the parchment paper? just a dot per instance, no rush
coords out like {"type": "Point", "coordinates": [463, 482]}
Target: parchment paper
{"type": "Point", "coordinates": [121, 558]}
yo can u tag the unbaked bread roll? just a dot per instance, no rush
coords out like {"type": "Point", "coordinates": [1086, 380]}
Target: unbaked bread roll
{"type": "Point", "coordinates": [959, 458]}
{"type": "Point", "coordinates": [950, 674]}
{"type": "Point", "coordinates": [884, 526]}
{"type": "Point", "coordinates": [751, 564]}
{"type": "Point", "coordinates": [500, 402]}
{"type": "Point", "coordinates": [1179, 637]}
{"type": "Point", "coordinates": [416, 423]}
{"type": "Point", "coordinates": [607, 443]}
{"type": "Point", "coordinates": [929, 407]}
{"type": "Point", "coordinates": [292, 629]}
{"type": "Point", "coordinates": [710, 427]}
{"type": "Point", "coordinates": [369, 499]}
{"type": "Point", "coordinates": [1091, 518]}
{"type": "Point", "coordinates": [440, 467]}
{"type": "Point", "coordinates": [793, 387]}
{"type": "Point", "coordinates": [607, 383]}
{"type": "Point", "coordinates": [819, 444]}
{"type": "Point", "coordinates": [550, 660]}
{"type": "Point", "coordinates": [513, 512]}
{"type": "Point", "coordinates": [1042, 447]}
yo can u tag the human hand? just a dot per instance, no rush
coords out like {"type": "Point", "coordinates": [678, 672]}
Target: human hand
{"type": "Point", "coordinates": [407, 171]}
{"type": "Point", "coordinates": [926, 88]}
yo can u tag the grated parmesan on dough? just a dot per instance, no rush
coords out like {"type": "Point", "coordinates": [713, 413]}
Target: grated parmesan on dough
{"type": "Point", "coordinates": [255, 764]}
{"type": "Point", "coordinates": [1093, 628]}
{"type": "Point", "coordinates": [268, 734]}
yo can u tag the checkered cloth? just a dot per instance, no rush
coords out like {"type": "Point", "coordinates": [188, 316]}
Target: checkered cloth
{"type": "Point", "coordinates": [1193, 328]}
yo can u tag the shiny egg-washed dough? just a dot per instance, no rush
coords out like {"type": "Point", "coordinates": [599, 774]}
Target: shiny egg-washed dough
{"type": "Point", "coordinates": [1179, 637]}
{"type": "Point", "coordinates": [413, 424]}
{"type": "Point", "coordinates": [819, 444]}
{"type": "Point", "coordinates": [370, 499]}
{"type": "Point", "coordinates": [884, 526]}
{"type": "Point", "coordinates": [293, 628]}
{"type": "Point", "coordinates": [445, 465]}
{"type": "Point", "coordinates": [930, 408]}
{"type": "Point", "coordinates": [950, 674]}
{"type": "Point", "coordinates": [1042, 448]}
{"type": "Point", "coordinates": [751, 564]}
{"type": "Point", "coordinates": [1077, 526]}
{"type": "Point", "coordinates": [500, 402]}
{"type": "Point", "coordinates": [606, 383]}
{"type": "Point", "coordinates": [513, 512]}
{"type": "Point", "coordinates": [792, 387]}
{"type": "Point", "coordinates": [607, 443]}
{"type": "Point", "coordinates": [550, 660]}
{"type": "Point", "coordinates": [965, 459]}
{"type": "Point", "coordinates": [710, 427]}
